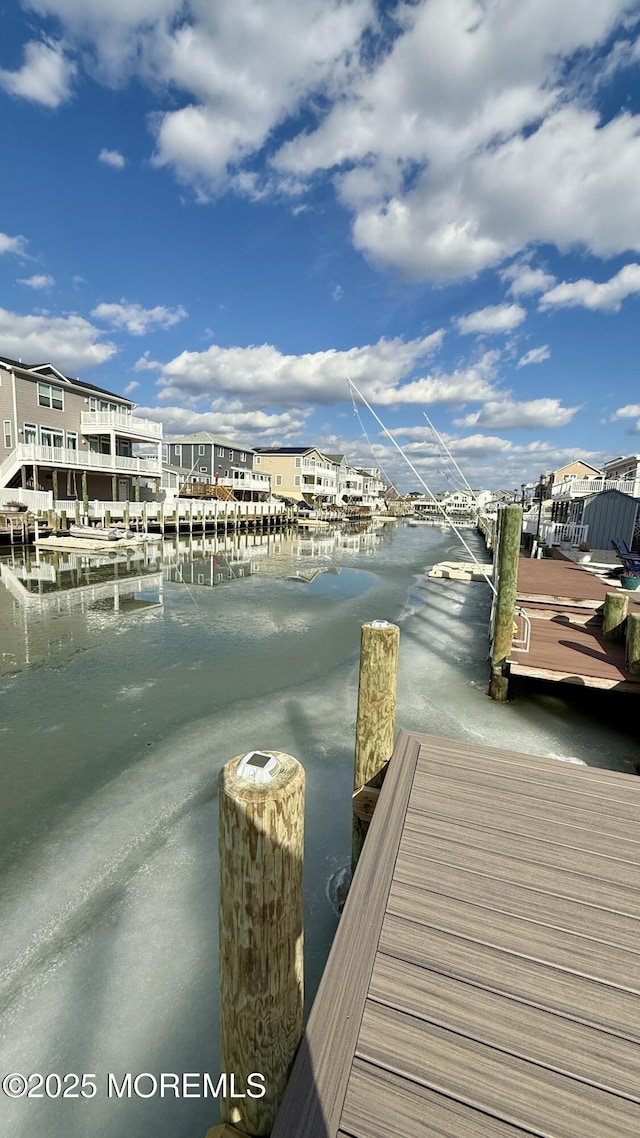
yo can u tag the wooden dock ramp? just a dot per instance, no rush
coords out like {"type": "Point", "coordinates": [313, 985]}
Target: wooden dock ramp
{"type": "Point", "coordinates": [484, 981]}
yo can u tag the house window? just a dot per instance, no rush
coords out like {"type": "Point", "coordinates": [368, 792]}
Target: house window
{"type": "Point", "coordinates": [30, 433]}
{"type": "Point", "coordinates": [278, 480]}
{"type": "Point", "coordinates": [203, 470]}
{"type": "Point", "coordinates": [257, 459]}
{"type": "Point", "coordinates": [201, 449]}
{"type": "Point", "coordinates": [220, 452]}
{"type": "Point", "coordinates": [93, 403]}
{"type": "Point", "coordinates": [296, 480]}
{"type": "Point", "coordinates": [51, 438]}
{"type": "Point", "coordinates": [231, 455]}
{"type": "Point", "coordinates": [177, 454]}
{"type": "Point", "coordinates": [72, 440]}
{"type": "Point", "coordinates": [6, 430]}
{"type": "Point", "coordinates": [243, 457]}
{"type": "Point", "coordinates": [298, 460]}
{"type": "Point", "coordinates": [106, 406]}
{"type": "Point", "coordinates": [165, 452]}
{"type": "Point", "coordinates": [49, 396]}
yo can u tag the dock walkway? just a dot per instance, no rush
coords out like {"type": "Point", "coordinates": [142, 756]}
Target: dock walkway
{"type": "Point", "coordinates": [484, 981]}
{"type": "Point", "coordinates": [563, 602]}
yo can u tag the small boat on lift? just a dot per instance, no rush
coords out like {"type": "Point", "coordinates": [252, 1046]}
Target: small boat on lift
{"type": "Point", "coordinates": [100, 533]}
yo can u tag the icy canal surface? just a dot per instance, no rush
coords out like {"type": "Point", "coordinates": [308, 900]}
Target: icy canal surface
{"type": "Point", "coordinates": [125, 686]}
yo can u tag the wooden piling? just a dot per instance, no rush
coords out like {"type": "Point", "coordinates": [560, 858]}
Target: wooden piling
{"type": "Point", "coordinates": [507, 553]}
{"type": "Point", "coordinates": [261, 812]}
{"type": "Point", "coordinates": [63, 519]}
{"type": "Point", "coordinates": [632, 646]}
{"type": "Point", "coordinates": [614, 615]}
{"type": "Point", "coordinates": [76, 512]}
{"type": "Point", "coordinates": [375, 724]}
{"type": "Point", "coordinates": [85, 493]}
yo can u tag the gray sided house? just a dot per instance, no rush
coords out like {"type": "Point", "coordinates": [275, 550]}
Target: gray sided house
{"type": "Point", "coordinates": [609, 514]}
{"type": "Point", "coordinates": [72, 438]}
{"type": "Point", "coordinates": [214, 459]}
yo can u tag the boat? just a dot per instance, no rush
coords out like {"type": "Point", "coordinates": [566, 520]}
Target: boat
{"type": "Point", "coordinates": [100, 533]}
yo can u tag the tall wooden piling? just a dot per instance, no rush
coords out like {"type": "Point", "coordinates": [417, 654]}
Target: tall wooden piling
{"type": "Point", "coordinates": [85, 493]}
{"type": "Point", "coordinates": [261, 811]}
{"type": "Point", "coordinates": [507, 553]}
{"type": "Point", "coordinates": [614, 615]}
{"type": "Point", "coordinates": [376, 718]}
{"type": "Point", "coordinates": [632, 646]}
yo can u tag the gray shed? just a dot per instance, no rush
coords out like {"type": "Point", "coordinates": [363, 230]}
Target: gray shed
{"type": "Point", "coordinates": [610, 514]}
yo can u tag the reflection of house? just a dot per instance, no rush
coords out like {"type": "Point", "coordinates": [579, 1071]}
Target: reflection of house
{"type": "Point", "coordinates": [70, 437]}
{"type": "Point", "coordinates": [299, 472]}
{"type": "Point", "coordinates": [207, 458]}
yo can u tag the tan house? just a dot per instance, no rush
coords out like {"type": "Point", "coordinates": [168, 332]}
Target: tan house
{"type": "Point", "coordinates": [71, 438]}
{"type": "Point", "coordinates": [298, 472]}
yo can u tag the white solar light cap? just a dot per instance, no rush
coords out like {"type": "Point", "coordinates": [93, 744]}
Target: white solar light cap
{"type": "Point", "coordinates": [257, 766]}
{"type": "Point", "coordinates": [379, 623]}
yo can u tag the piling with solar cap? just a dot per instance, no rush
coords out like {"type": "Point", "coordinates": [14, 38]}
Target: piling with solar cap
{"type": "Point", "coordinates": [507, 554]}
{"type": "Point", "coordinates": [261, 826]}
{"type": "Point", "coordinates": [375, 724]}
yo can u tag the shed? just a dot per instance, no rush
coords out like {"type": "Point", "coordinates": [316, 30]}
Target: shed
{"type": "Point", "coordinates": [609, 514]}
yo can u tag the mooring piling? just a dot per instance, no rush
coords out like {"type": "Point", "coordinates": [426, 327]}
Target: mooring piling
{"type": "Point", "coordinates": [507, 554]}
{"type": "Point", "coordinates": [261, 823]}
{"type": "Point", "coordinates": [614, 615]}
{"type": "Point", "coordinates": [632, 644]}
{"type": "Point", "coordinates": [375, 724]}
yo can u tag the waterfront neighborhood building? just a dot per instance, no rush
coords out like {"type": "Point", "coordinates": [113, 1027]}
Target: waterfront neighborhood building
{"type": "Point", "coordinates": [349, 481]}
{"type": "Point", "coordinates": [209, 459]}
{"type": "Point", "coordinates": [71, 438]}
{"type": "Point", "coordinates": [299, 473]}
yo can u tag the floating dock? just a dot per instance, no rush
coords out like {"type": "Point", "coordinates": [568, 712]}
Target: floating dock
{"type": "Point", "coordinates": [462, 571]}
{"type": "Point", "coordinates": [91, 545]}
{"type": "Point", "coordinates": [484, 981]}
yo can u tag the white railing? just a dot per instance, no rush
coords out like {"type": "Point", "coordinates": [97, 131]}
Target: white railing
{"type": "Point", "coordinates": [578, 487]}
{"type": "Point", "coordinates": [555, 532]}
{"type": "Point", "coordinates": [34, 499]}
{"type": "Point", "coordinates": [247, 480]}
{"type": "Point", "coordinates": [91, 421]}
{"type": "Point", "coordinates": [78, 459]}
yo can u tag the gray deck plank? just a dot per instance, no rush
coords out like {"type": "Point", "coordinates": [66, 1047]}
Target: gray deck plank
{"type": "Point", "coordinates": [516, 936]}
{"type": "Point", "coordinates": [380, 1104]}
{"type": "Point", "coordinates": [542, 1037]}
{"type": "Point", "coordinates": [524, 900]}
{"type": "Point", "coordinates": [612, 1008]}
{"type": "Point", "coordinates": [499, 1084]}
{"type": "Point", "coordinates": [567, 883]}
{"type": "Point", "coordinates": [507, 811]}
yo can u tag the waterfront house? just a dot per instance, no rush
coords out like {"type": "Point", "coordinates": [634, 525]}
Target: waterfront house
{"type": "Point", "coordinates": [213, 459]}
{"type": "Point", "coordinates": [71, 439]}
{"type": "Point", "coordinates": [349, 481]}
{"type": "Point", "coordinates": [299, 472]}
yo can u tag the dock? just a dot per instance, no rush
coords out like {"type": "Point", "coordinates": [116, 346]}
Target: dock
{"type": "Point", "coordinates": [563, 602]}
{"type": "Point", "coordinates": [484, 981]}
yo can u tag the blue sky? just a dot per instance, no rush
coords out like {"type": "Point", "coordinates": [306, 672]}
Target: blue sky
{"type": "Point", "coordinates": [224, 209]}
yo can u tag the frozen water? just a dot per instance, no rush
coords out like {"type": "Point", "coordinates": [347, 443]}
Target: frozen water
{"type": "Point", "coordinates": [123, 697]}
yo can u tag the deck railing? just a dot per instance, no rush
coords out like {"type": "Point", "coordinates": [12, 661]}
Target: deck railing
{"type": "Point", "coordinates": [555, 533]}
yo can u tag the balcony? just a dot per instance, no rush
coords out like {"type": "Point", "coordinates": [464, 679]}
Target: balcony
{"type": "Point", "coordinates": [99, 422]}
{"type": "Point", "coordinates": [247, 480]}
{"type": "Point", "coordinates": [580, 487]}
{"type": "Point", "coordinates": [64, 458]}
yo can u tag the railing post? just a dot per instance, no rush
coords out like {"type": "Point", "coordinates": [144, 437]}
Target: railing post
{"type": "Point", "coordinates": [616, 607]}
{"type": "Point", "coordinates": [632, 647]}
{"type": "Point", "coordinates": [261, 812]}
{"type": "Point", "coordinates": [507, 554]}
{"type": "Point", "coordinates": [375, 724]}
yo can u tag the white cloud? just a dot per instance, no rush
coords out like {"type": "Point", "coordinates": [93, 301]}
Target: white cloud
{"type": "Point", "coordinates": [261, 375]}
{"type": "Point", "coordinates": [45, 76]}
{"type": "Point", "coordinates": [136, 319]}
{"type": "Point", "coordinates": [71, 343]}
{"type": "Point", "coordinates": [629, 412]}
{"type": "Point", "coordinates": [525, 280]}
{"type": "Point", "coordinates": [494, 318]}
{"type": "Point", "coordinates": [506, 414]}
{"type": "Point", "coordinates": [534, 356]}
{"type": "Point", "coordinates": [37, 281]}
{"type": "Point", "coordinates": [255, 425]}
{"type": "Point", "coordinates": [131, 387]}
{"type": "Point", "coordinates": [585, 293]}
{"type": "Point", "coordinates": [12, 244]}
{"type": "Point", "coordinates": [112, 158]}
{"type": "Point", "coordinates": [147, 364]}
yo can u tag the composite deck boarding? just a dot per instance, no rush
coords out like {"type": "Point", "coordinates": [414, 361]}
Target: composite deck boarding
{"type": "Point", "coordinates": [484, 981]}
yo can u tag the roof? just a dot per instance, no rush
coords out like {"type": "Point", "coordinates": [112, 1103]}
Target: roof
{"type": "Point", "coordinates": [207, 437]}
{"type": "Point", "coordinates": [52, 371]}
{"type": "Point", "coordinates": [286, 450]}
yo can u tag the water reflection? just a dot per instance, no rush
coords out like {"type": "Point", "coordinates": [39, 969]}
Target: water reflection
{"type": "Point", "coordinates": [52, 601]}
